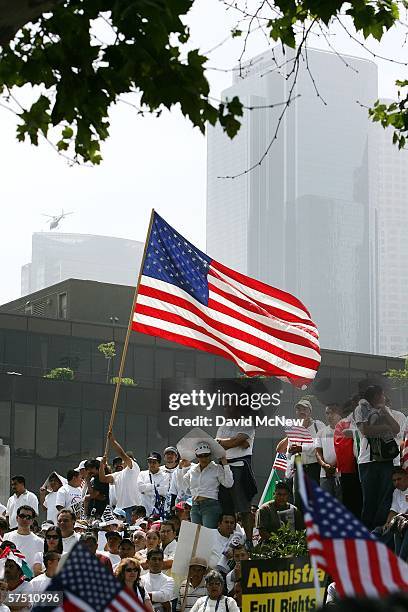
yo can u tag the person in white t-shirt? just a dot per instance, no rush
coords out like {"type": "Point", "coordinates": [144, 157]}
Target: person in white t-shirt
{"type": "Point", "coordinates": [153, 486]}
{"type": "Point", "coordinates": [215, 600]}
{"type": "Point", "coordinates": [3, 596]}
{"type": "Point", "coordinates": [325, 453]}
{"type": "Point", "coordinates": [20, 497]}
{"type": "Point", "coordinates": [48, 496]}
{"type": "Point", "coordinates": [2, 510]}
{"type": "Point", "coordinates": [70, 495]}
{"type": "Point", "coordinates": [41, 582]}
{"type": "Point", "coordinates": [16, 584]}
{"type": "Point", "coordinates": [127, 492]}
{"type": "Point", "coordinates": [66, 522]}
{"type": "Point", "coordinates": [375, 423]}
{"type": "Point", "coordinates": [26, 541]}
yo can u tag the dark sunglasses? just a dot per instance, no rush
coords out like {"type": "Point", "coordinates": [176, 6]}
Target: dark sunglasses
{"type": "Point", "coordinates": [52, 537]}
{"type": "Point", "coordinates": [131, 569]}
{"type": "Point", "coordinates": [28, 517]}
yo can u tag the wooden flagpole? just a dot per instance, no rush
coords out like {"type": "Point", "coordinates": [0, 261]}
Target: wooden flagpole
{"type": "Point", "coordinates": [126, 344]}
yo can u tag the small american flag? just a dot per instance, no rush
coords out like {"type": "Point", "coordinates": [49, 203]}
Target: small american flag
{"type": "Point", "coordinates": [189, 298]}
{"type": "Point", "coordinates": [341, 546]}
{"type": "Point", "coordinates": [281, 462]}
{"type": "Point", "coordinates": [297, 434]}
{"type": "Point", "coordinates": [404, 451]}
{"type": "Point", "coordinates": [88, 587]}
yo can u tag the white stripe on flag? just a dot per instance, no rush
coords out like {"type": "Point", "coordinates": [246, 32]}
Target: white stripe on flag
{"type": "Point", "coordinates": [364, 569]}
{"type": "Point", "coordinates": [340, 553]}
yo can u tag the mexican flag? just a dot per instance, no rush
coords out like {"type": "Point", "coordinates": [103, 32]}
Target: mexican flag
{"type": "Point", "coordinates": [277, 473]}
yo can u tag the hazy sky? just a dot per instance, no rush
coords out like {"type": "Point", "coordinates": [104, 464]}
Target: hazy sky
{"type": "Point", "coordinates": [148, 162]}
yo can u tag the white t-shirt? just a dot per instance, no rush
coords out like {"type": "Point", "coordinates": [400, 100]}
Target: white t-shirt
{"type": "Point", "coordinates": [14, 503]}
{"type": "Point", "coordinates": [40, 583]}
{"type": "Point", "coordinates": [114, 559]}
{"type": "Point", "coordinates": [365, 413]}
{"type": "Point", "coordinates": [38, 558]}
{"type": "Point", "coordinates": [126, 489]}
{"type": "Point", "coordinates": [230, 432]}
{"type": "Point", "coordinates": [68, 496]}
{"type": "Point", "coordinates": [146, 483]}
{"type": "Point", "coordinates": [2, 509]}
{"type": "Point", "coordinates": [401, 420]}
{"type": "Point", "coordinates": [399, 501]}
{"type": "Point", "coordinates": [24, 587]}
{"type": "Point", "coordinates": [50, 502]}
{"type": "Point", "coordinates": [325, 440]}
{"type": "Point", "coordinates": [204, 604]}
{"type": "Point", "coordinates": [29, 544]}
{"type": "Point", "coordinates": [69, 542]}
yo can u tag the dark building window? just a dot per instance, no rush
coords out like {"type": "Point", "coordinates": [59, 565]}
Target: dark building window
{"type": "Point", "coordinates": [62, 305]}
{"type": "Point", "coordinates": [69, 427]}
{"type": "Point", "coordinates": [91, 433]}
{"type": "Point", "coordinates": [5, 421]}
{"type": "Point", "coordinates": [24, 429]}
{"type": "Point", "coordinates": [47, 432]}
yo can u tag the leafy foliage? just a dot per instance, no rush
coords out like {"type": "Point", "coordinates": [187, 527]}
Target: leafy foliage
{"type": "Point", "coordinates": [284, 543]}
{"type": "Point", "coordinates": [81, 77]}
{"type": "Point", "coordinates": [401, 375]}
{"type": "Point", "coordinates": [394, 115]}
{"type": "Point", "coordinates": [60, 374]}
{"type": "Point", "coordinates": [129, 382]}
{"type": "Point", "coordinates": [108, 350]}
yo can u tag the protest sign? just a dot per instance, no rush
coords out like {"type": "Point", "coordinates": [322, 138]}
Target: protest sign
{"type": "Point", "coordinates": [279, 585]}
{"type": "Point", "coordinates": [193, 541]}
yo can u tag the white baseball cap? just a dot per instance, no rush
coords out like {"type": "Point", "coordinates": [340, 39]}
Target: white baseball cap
{"type": "Point", "coordinates": [81, 466]}
{"type": "Point", "coordinates": [202, 448]}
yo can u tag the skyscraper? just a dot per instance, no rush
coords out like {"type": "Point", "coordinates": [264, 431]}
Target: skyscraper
{"type": "Point", "coordinates": [57, 257]}
{"type": "Point", "coordinates": [389, 195]}
{"type": "Point", "coordinates": [301, 220]}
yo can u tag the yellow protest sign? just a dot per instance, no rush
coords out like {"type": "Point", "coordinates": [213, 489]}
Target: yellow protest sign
{"type": "Point", "coordinates": [279, 585]}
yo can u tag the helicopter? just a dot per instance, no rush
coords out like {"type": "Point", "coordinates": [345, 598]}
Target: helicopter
{"type": "Point", "coordinates": [55, 219]}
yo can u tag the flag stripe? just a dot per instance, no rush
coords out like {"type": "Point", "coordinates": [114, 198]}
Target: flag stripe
{"type": "Point", "coordinates": [187, 313]}
{"type": "Point", "coordinates": [237, 295]}
{"type": "Point", "coordinates": [286, 299]}
{"type": "Point", "coordinates": [245, 359]}
{"type": "Point", "coordinates": [224, 301]}
{"type": "Point", "coordinates": [298, 340]}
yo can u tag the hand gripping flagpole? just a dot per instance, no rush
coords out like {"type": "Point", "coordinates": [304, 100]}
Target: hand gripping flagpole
{"type": "Point", "coordinates": [126, 344]}
{"type": "Point", "coordinates": [303, 495]}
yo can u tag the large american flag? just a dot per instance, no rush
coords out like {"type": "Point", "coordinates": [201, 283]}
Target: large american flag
{"type": "Point", "coordinates": [341, 546]}
{"type": "Point", "coordinates": [189, 298]}
{"type": "Point", "coordinates": [88, 587]}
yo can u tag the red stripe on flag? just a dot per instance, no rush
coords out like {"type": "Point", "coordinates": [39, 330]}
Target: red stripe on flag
{"type": "Point", "coordinates": [277, 333]}
{"type": "Point", "coordinates": [352, 562]}
{"type": "Point", "coordinates": [210, 348]}
{"type": "Point", "coordinates": [236, 333]}
{"type": "Point", "coordinates": [396, 571]}
{"type": "Point", "coordinates": [259, 286]}
{"type": "Point", "coordinates": [375, 568]}
{"type": "Point", "coordinates": [257, 307]}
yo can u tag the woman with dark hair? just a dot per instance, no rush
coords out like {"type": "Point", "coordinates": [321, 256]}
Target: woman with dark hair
{"type": "Point", "coordinates": [215, 600]}
{"type": "Point", "coordinates": [378, 449]}
{"type": "Point", "coordinates": [52, 543]}
{"type": "Point", "coordinates": [128, 573]}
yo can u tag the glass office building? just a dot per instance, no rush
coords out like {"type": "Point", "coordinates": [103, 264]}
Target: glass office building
{"type": "Point", "coordinates": [302, 220]}
{"type": "Point", "coordinates": [57, 257]}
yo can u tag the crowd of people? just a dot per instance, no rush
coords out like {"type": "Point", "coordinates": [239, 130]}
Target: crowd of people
{"type": "Point", "coordinates": [130, 519]}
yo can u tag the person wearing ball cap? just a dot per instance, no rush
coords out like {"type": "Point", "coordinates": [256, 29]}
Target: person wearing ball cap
{"type": "Point", "coordinates": [204, 479]}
